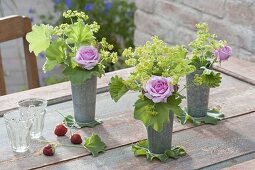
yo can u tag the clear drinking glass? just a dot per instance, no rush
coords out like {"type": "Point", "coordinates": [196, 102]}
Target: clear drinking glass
{"type": "Point", "coordinates": [38, 108]}
{"type": "Point", "coordinates": [18, 127]}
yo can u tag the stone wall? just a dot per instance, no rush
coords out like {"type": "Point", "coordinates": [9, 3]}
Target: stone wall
{"type": "Point", "coordinates": [174, 21]}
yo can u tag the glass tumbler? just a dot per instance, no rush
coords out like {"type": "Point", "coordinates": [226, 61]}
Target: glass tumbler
{"type": "Point", "coordinates": [37, 107]}
{"type": "Point", "coordinates": [18, 127]}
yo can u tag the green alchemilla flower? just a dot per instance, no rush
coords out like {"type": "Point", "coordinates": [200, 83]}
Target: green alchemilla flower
{"type": "Point", "coordinates": [73, 46]}
{"type": "Point", "coordinates": [206, 50]}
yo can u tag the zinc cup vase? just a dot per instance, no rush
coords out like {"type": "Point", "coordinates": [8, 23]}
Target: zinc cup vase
{"type": "Point", "coordinates": [161, 141]}
{"type": "Point", "coordinates": [84, 100]}
{"type": "Point", "coordinates": [197, 96]}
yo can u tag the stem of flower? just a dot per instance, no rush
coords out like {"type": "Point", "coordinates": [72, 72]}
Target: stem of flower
{"type": "Point", "coordinates": [213, 62]}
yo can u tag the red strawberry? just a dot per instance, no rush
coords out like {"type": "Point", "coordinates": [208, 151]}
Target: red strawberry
{"type": "Point", "coordinates": [76, 138]}
{"type": "Point", "coordinates": [60, 130]}
{"type": "Point", "coordinates": [48, 150]}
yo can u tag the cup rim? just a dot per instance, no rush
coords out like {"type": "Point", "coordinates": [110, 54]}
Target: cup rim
{"type": "Point", "coordinates": [44, 102]}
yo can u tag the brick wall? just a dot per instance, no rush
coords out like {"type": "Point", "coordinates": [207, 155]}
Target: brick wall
{"type": "Point", "coordinates": [174, 21]}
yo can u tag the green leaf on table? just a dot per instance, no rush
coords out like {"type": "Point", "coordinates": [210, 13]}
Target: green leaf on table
{"type": "Point", "coordinates": [94, 144]}
{"type": "Point", "coordinates": [212, 117]}
{"type": "Point", "coordinates": [117, 88]}
{"type": "Point", "coordinates": [211, 78]}
{"type": "Point", "coordinates": [70, 122]}
{"type": "Point", "coordinates": [156, 121]}
{"type": "Point", "coordinates": [176, 152]}
{"type": "Point", "coordinates": [141, 149]}
{"type": "Point", "coordinates": [39, 38]}
{"type": "Point", "coordinates": [79, 33]}
{"type": "Point", "coordinates": [79, 75]}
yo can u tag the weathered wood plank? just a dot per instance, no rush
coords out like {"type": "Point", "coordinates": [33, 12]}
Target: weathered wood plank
{"type": "Point", "coordinates": [241, 69]}
{"type": "Point", "coordinates": [54, 93]}
{"type": "Point", "coordinates": [248, 165]}
{"type": "Point", "coordinates": [119, 123]}
{"type": "Point", "coordinates": [205, 145]}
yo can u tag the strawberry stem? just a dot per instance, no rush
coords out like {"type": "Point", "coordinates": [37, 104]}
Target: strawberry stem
{"type": "Point", "coordinates": [45, 141]}
{"type": "Point", "coordinates": [60, 113]}
{"type": "Point", "coordinates": [77, 146]}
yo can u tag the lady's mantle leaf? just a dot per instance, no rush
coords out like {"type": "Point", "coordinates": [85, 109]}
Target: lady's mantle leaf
{"type": "Point", "coordinates": [39, 38]}
{"type": "Point", "coordinates": [94, 144]}
{"type": "Point", "coordinates": [49, 65]}
{"type": "Point", "coordinates": [211, 78]}
{"type": "Point", "coordinates": [70, 122]}
{"type": "Point", "coordinates": [163, 109]}
{"type": "Point", "coordinates": [117, 88]}
{"type": "Point", "coordinates": [55, 54]}
{"type": "Point", "coordinates": [141, 149]}
{"type": "Point", "coordinates": [79, 75]}
{"type": "Point", "coordinates": [212, 117]}
{"type": "Point", "coordinates": [79, 32]}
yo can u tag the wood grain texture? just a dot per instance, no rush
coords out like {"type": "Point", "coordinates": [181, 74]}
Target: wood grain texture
{"type": "Point", "coordinates": [205, 145]}
{"type": "Point", "coordinates": [2, 81]}
{"type": "Point", "coordinates": [248, 165]}
{"type": "Point", "coordinates": [54, 93]}
{"type": "Point", "coordinates": [240, 69]}
{"type": "Point", "coordinates": [119, 127]}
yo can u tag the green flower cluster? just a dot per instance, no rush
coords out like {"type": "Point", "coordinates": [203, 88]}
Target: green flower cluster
{"type": "Point", "coordinates": [203, 47]}
{"type": "Point", "coordinates": [60, 44]}
{"type": "Point", "coordinates": [156, 58]}
{"type": "Point", "coordinates": [203, 57]}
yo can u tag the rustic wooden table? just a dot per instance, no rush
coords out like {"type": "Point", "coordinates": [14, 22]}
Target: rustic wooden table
{"type": "Point", "coordinates": [230, 144]}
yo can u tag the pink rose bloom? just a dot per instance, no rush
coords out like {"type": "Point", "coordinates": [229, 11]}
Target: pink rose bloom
{"type": "Point", "coordinates": [87, 57]}
{"type": "Point", "coordinates": [158, 89]}
{"type": "Point", "coordinates": [223, 53]}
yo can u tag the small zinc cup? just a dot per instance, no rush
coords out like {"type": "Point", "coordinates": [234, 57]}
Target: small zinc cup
{"type": "Point", "coordinates": [19, 127]}
{"type": "Point", "coordinates": [37, 107]}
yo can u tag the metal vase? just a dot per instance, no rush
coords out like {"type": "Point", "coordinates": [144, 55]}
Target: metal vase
{"type": "Point", "coordinates": [161, 141]}
{"type": "Point", "coordinates": [84, 100]}
{"type": "Point", "coordinates": [197, 96]}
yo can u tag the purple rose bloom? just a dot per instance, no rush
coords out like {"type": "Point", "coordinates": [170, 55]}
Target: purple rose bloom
{"type": "Point", "coordinates": [87, 57]}
{"type": "Point", "coordinates": [158, 89]}
{"type": "Point", "coordinates": [223, 53]}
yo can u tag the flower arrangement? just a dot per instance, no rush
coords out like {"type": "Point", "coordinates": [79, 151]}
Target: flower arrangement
{"type": "Point", "coordinates": [205, 52]}
{"type": "Point", "coordinates": [158, 68]}
{"type": "Point", "coordinates": [116, 18]}
{"type": "Point", "coordinates": [73, 46]}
